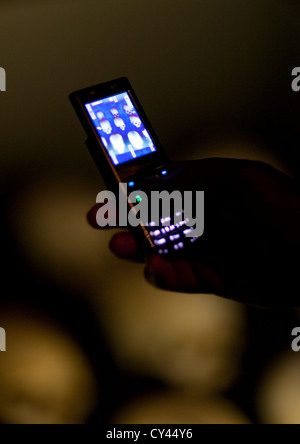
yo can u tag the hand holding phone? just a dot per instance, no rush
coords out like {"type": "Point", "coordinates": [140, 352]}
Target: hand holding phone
{"type": "Point", "coordinates": [239, 256]}
{"type": "Point", "coordinates": [248, 251]}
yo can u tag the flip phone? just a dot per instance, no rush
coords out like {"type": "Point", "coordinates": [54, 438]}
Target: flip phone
{"type": "Point", "coordinates": [126, 149]}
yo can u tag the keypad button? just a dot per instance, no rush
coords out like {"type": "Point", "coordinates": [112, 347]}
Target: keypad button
{"type": "Point", "coordinates": [174, 237]}
{"type": "Point", "coordinates": [188, 231]}
{"type": "Point", "coordinates": [160, 242]}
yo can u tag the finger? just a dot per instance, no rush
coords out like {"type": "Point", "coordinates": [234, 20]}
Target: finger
{"type": "Point", "coordinates": [92, 216]}
{"type": "Point", "coordinates": [173, 276]}
{"type": "Point", "coordinates": [182, 276]}
{"type": "Point", "coordinates": [111, 216]}
{"type": "Point", "coordinates": [124, 246]}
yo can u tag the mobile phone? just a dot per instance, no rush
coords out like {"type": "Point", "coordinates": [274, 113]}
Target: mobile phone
{"type": "Point", "coordinates": [125, 148]}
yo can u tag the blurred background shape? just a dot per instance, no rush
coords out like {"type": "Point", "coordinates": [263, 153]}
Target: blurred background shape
{"type": "Point", "coordinates": [278, 391]}
{"type": "Point", "coordinates": [172, 408]}
{"type": "Point", "coordinates": [45, 377]}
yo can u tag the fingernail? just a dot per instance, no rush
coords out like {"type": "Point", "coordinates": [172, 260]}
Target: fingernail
{"type": "Point", "coordinates": [92, 216]}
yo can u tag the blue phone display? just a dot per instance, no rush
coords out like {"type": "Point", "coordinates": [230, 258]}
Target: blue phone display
{"type": "Point", "coordinates": [120, 128]}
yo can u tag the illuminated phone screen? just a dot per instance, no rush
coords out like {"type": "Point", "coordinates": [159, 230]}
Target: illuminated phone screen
{"type": "Point", "coordinates": [120, 128]}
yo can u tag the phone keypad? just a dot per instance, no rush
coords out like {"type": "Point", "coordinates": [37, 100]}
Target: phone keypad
{"type": "Point", "coordinates": [171, 239]}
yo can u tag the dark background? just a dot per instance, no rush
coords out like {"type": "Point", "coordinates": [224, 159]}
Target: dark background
{"type": "Point", "coordinates": [214, 78]}
{"type": "Point", "coordinates": [197, 66]}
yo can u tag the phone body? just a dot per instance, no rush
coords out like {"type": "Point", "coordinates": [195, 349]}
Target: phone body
{"type": "Point", "coordinates": [126, 149]}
